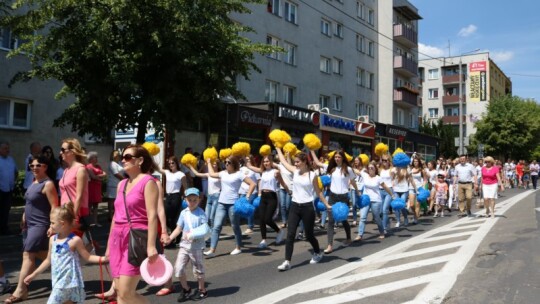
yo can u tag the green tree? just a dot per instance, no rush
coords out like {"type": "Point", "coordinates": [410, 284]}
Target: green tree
{"type": "Point", "coordinates": [445, 133]}
{"type": "Point", "coordinates": [132, 63]}
{"type": "Point", "coordinates": [510, 127]}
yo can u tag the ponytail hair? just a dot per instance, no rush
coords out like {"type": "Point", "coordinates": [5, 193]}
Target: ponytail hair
{"type": "Point", "coordinates": [66, 213]}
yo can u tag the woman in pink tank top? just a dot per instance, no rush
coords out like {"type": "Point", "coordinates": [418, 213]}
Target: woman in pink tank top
{"type": "Point", "coordinates": [74, 182]}
{"type": "Point", "coordinates": [140, 200]}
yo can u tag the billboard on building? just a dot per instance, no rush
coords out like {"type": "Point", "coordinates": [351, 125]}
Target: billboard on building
{"type": "Point", "coordinates": [478, 81]}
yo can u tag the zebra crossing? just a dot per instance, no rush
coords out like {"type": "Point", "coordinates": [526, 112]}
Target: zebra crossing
{"type": "Point", "coordinates": [422, 269]}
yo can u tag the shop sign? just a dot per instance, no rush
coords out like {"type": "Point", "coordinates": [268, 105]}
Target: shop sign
{"type": "Point", "coordinates": [394, 132]}
{"type": "Point", "coordinates": [337, 124]}
{"type": "Point", "coordinates": [299, 115]}
{"type": "Point", "coordinates": [249, 116]}
{"type": "Point", "coordinates": [365, 129]}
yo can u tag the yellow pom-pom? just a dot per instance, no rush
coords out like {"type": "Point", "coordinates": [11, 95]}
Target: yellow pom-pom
{"type": "Point", "coordinates": [241, 149]}
{"type": "Point", "coordinates": [365, 159]}
{"type": "Point", "coordinates": [319, 181]}
{"type": "Point", "coordinates": [189, 159]}
{"type": "Point", "coordinates": [349, 158]}
{"type": "Point", "coordinates": [210, 153]}
{"type": "Point", "coordinates": [381, 149]}
{"type": "Point", "coordinates": [312, 141]}
{"type": "Point", "coordinates": [330, 155]}
{"type": "Point", "coordinates": [279, 138]}
{"type": "Point", "coordinates": [290, 148]}
{"type": "Point", "coordinates": [398, 150]}
{"type": "Point", "coordinates": [151, 147]}
{"type": "Point", "coordinates": [225, 153]}
{"type": "Point", "coordinates": [265, 150]}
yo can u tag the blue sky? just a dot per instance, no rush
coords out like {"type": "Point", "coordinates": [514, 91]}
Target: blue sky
{"type": "Point", "coordinates": [508, 30]}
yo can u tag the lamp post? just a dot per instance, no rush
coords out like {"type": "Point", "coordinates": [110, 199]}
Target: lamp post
{"type": "Point", "coordinates": [227, 100]}
{"type": "Point", "coordinates": [460, 110]}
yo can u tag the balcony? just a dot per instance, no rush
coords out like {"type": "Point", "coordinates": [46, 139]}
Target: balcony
{"type": "Point", "coordinates": [453, 120]}
{"type": "Point", "coordinates": [404, 97]}
{"type": "Point", "coordinates": [405, 66]}
{"type": "Point", "coordinates": [405, 35]}
{"type": "Point", "coordinates": [452, 99]}
{"type": "Point", "coordinates": [452, 79]}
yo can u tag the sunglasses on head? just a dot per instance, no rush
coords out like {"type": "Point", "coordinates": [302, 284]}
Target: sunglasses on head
{"type": "Point", "coordinates": [127, 157]}
{"type": "Point", "coordinates": [35, 166]}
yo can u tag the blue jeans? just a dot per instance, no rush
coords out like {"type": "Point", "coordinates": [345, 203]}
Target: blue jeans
{"type": "Point", "coordinates": [221, 212]}
{"type": "Point", "coordinates": [284, 204]}
{"type": "Point", "coordinates": [386, 199]}
{"type": "Point", "coordinates": [404, 196]}
{"type": "Point", "coordinates": [251, 219]}
{"type": "Point", "coordinates": [376, 212]}
{"type": "Point", "coordinates": [352, 195]}
{"type": "Point", "coordinates": [211, 207]}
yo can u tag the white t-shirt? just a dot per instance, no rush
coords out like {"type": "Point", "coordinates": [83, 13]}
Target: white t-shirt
{"type": "Point", "coordinates": [112, 180]}
{"type": "Point", "coordinates": [286, 175]}
{"type": "Point", "coordinates": [371, 187]}
{"type": "Point", "coordinates": [269, 180]}
{"type": "Point", "coordinates": [340, 183]}
{"type": "Point", "coordinates": [303, 191]}
{"type": "Point", "coordinates": [174, 181]}
{"type": "Point", "coordinates": [230, 184]}
{"type": "Point", "coordinates": [478, 171]}
{"type": "Point", "coordinates": [432, 176]}
{"type": "Point", "coordinates": [251, 174]}
{"type": "Point", "coordinates": [400, 185]}
{"type": "Point", "coordinates": [214, 185]}
{"type": "Point", "coordinates": [386, 177]}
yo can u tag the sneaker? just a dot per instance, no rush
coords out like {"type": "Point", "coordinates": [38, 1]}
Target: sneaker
{"type": "Point", "coordinates": [236, 251]}
{"type": "Point", "coordinates": [184, 295]}
{"type": "Point", "coordinates": [5, 287]}
{"type": "Point", "coordinates": [316, 258]}
{"type": "Point", "coordinates": [209, 254]}
{"type": "Point", "coordinates": [435, 215]}
{"type": "Point", "coordinates": [280, 235]}
{"type": "Point", "coordinates": [248, 231]}
{"type": "Point", "coordinates": [284, 266]}
{"type": "Point", "coordinates": [262, 245]}
{"type": "Point", "coordinates": [442, 214]}
{"type": "Point", "coordinates": [300, 236]}
{"type": "Point", "coordinates": [199, 295]}
{"type": "Point", "coordinates": [397, 225]}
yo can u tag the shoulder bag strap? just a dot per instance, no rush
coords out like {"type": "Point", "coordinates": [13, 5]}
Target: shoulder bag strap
{"type": "Point", "coordinates": [125, 204]}
{"type": "Point", "coordinates": [66, 189]}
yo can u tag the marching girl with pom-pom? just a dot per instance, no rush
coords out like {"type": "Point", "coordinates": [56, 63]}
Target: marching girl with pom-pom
{"type": "Point", "coordinates": [386, 173]}
{"type": "Point", "coordinates": [401, 183]}
{"type": "Point", "coordinates": [65, 250]}
{"type": "Point", "coordinates": [419, 175]}
{"type": "Point", "coordinates": [358, 166]}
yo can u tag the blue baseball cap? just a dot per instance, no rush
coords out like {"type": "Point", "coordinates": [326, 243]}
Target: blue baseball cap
{"type": "Point", "coordinates": [192, 191]}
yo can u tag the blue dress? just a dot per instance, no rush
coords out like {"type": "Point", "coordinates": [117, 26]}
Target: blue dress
{"type": "Point", "coordinates": [67, 279]}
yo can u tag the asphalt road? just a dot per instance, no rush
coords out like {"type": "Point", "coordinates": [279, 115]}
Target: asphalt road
{"type": "Point", "coordinates": [502, 269]}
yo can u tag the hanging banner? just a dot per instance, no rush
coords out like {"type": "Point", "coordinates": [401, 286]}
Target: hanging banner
{"type": "Point", "coordinates": [478, 81]}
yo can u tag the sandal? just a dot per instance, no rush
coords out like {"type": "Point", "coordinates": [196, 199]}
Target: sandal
{"type": "Point", "coordinates": [165, 291]}
{"type": "Point", "coordinates": [104, 296]}
{"type": "Point", "coordinates": [15, 299]}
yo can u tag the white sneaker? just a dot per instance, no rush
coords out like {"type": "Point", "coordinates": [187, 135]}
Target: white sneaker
{"type": "Point", "coordinates": [209, 254]}
{"type": "Point", "coordinates": [280, 235]}
{"type": "Point", "coordinates": [397, 225]}
{"type": "Point", "coordinates": [316, 258]}
{"type": "Point", "coordinates": [284, 266]}
{"type": "Point", "coordinates": [262, 245]}
{"type": "Point", "coordinates": [248, 231]}
{"type": "Point", "coordinates": [236, 251]}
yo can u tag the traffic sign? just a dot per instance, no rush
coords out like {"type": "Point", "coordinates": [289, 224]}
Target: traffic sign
{"type": "Point", "coordinates": [461, 152]}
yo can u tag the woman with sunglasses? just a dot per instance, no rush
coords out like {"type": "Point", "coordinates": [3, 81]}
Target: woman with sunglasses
{"type": "Point", "coordinates": [41, 197]}
{"type": "Point", "coordinates": [491, 181]}
{"type": "Point", "coordinates": [305, 188]}
{"type": "Point", "coordinates": [386, 173]}
{"type": "Point", "coordinates": [139, 194]}
{"type": "Point", "coordinates": [231, 179]}
{"type": "Point", "coordinates": [175, 185]}
{"type": "Point", "coordinates": [341, 177]}
{"type": "Point", "coordinates": [74, 182]}
{"type": "Point", "coordinates": [372, 184]}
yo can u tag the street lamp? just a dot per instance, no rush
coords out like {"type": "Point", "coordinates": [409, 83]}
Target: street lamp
{"type": "Point", "coordinates": [460, 110]}
{"type": "Point", "coordinates": [227, 100]}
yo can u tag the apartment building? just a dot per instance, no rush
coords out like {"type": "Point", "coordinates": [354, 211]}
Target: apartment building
{"type": "Point", "coordinates": [480, 79]}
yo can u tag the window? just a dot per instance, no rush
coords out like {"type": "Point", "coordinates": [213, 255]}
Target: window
{"type": "Point", "coordinates": [290, 12]}
{"type": "Point", "coordinates": [369, 111]}
{"type": "Point", "coordinates": [399, 118]}
{"type": "Point", "coordinates": [433, 93]}
{"type": "Point", "coordinates": [371, 17]}
{"type": "Point", "coordinates": [8, 41]}
{"type": "Point", "coordinates": [15, 114]}
{"type": "Point", "coordinates": [433, 112]}
{"type": "Point", "coordinates": [338, 30]}
{"type": "Point", "coordinates": [325, 27]}
{"type": "Point", "coordinates": [452, 111]}
{"type": "Point", "coordinates": [289, 95]}
{"type": "Point", "coordinates": [360, 9]}
{"type": "Point", "coordinates": [359, 108]}
{"type": "Point", "coordinates": [433, 74]}
{"type": "Point", "coordinates": [274, 42]}
{"type": "Point", "coordinates": [338, 102]}
{"type": "Point", "coordinates": [371, 48]}
{"type": "Point", "coordinates": [324, 101]}
{"type": "Point", "coordinates": [360, 77]}
{"type": "Point", "coordinates": [411, 121]}
{"type": "Point", "coordinates": [273, 7]}
{"type": "Point", "coordinates": [325, 65]}
{"type": "Point", "coordinates": [371, 81]}
{"type": "Point", "coordinates": [290, 53]}
{"type": "Point", "coordinates": [271, 91]}
{"type": "Point", "coordinates": [338, 66]}
{"type": "Point", "coordinates": [360, 43]}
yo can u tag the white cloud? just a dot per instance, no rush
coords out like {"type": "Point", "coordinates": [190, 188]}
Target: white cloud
{"type": "Point", "coordinates": [501, 56]}
{"type": "Point", "coordinates": [428, 51]}
{"type": "Point", "coordinates": [467, 31]}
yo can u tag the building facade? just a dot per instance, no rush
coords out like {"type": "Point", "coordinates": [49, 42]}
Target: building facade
{"type": "Point", "coordinates": [480, 78]}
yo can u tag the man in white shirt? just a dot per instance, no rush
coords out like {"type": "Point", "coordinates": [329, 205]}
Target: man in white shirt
{"type": "Point", "coordinates": [465, 179]}
{"type": "Point", "coordinates": [8, 177]}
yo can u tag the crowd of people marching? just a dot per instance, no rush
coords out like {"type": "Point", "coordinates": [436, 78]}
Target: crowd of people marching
{"type": "Point", "coordinates": [291, 192]}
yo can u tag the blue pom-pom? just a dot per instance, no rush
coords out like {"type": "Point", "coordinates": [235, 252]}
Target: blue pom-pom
{"type": "Point", "coordinates": [340, 211]}
{"type": "Point", "coordinates": [325, 180]}
{"type": "Point", "coordinates": [243, 208]}
{"type": "Point", "coordinates": [422, 195]}
{"type": "Point", "coordinates": [362, 201]}
{"type": "Point", "coordinates": [397, 204]}
{"type": "Point", "coordinates": [401, 160]}
{"type": "Point", "coordinates": [319, 206]}
{"type": "Point", "coordinates": [256, 202]}
{"type": "Point", "coordinates": [184, 204]}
